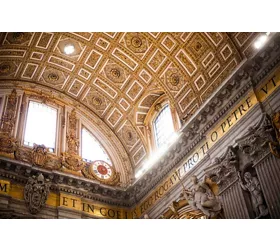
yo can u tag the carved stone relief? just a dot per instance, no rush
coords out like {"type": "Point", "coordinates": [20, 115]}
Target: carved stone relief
{"type": "Point", "coordinates": [201, 198]}
{"type": "Point", "coordinates": [252, 185]}
{"type": "Point", "coordinates": [36, 193]}
{"type": "Point", "coordinates": [238, 163]}
{"type": "Point", "coordinates": [225, 171]}
{"type": "Point", "coordinates": [255, 143]}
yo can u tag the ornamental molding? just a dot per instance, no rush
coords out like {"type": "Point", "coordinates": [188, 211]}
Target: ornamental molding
{"type": "Point", "coordinates": [226, 166]}
{"type": "Point", "coordinates": [238, 163]}
{"type": "Point", "coordinates": [250, 74]}
{"type": "Point", "coordinates": [90, 189]}
{"type": "Point", "coordinates": [8, 144]}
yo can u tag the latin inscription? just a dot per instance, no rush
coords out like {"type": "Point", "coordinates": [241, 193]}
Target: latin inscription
{"type": "Point", "coordinates": [266, 89]}
{"type": "Point", "coordinates": [4, 187]}
{"type": "Point", "coordinates": [93, 209]}
{"type": "Point", "coordinates": [201, 151]}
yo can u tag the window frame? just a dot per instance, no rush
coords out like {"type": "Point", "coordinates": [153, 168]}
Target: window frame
{"type": "Point", "coordinates": [58, 114]}
{"type": "Point", "coordinates": [150, 118]}
{"type": "Point", "coordinates": [81, 145]}
{"type": "Point", "coordinates": [163, 106]}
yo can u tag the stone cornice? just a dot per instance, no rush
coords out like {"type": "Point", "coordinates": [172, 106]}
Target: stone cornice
{"type": "Point", "coordinates": [248, 75]}
{"type": "Point", "coordinates": [19, 172]}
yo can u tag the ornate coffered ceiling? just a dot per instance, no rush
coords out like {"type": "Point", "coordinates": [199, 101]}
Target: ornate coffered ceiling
{"type": "Point", "coordinates": [119, 76]}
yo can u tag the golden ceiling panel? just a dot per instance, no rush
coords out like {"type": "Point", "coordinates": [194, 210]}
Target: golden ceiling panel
{"type": "Point", "coordinates": [111, 73]}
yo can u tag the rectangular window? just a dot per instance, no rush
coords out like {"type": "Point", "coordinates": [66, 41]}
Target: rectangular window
{"type": "Point", "coordinates": [41, 125]}
{"type": "Point", "coordinates": [163, 125]}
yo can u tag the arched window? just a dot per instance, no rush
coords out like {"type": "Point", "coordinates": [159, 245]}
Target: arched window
{"type": "Point", "coordinates": [92, 150]}
{"type": "Point", "coordinates": [163, 126]}
{"type": "Point", "coordinates": [41, 125]}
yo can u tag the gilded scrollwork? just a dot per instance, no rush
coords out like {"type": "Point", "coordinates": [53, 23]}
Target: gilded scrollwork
{"type": "Point", "coordinates": [8, 144]}
{"type": "Point", "coordinates": [43, 98]}
{"type": "Point", "coordinates": [23, 154]}
{"type": "Point", "coordinates": [8, 119]}
{"type": "Point", "coordinates": [39, 155]}
{"type": "Point", "coordinates": [72, 140]}
{"type": "Point", "coordinates": [70, 159]}
{"type": "Point", "coordinates": [53, 162]}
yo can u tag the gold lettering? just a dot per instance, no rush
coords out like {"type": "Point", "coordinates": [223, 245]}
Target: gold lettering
{"type": "Point", "coordinates": [229, 121]}
{"type": "Point", "coordinates": [64, 201]}
{"type": "Point", "coordinates": [234, 112]}
{"type": "Point", "coordinates": [248, 101]}
{"type": "Point", "coordinates": [3, 188]}
{"type": "Point", "coordinates": [196, 155]}
{"type": "Point", "coordinates": [240, 108]}
{"type": "Point", "coordinates": [273, 82]}
{"type": "Point", "coordinates": [119, 215]}
{"type": "Point", "coordinates": [103, 213]}
{"type": "Point", "coordinates": [215, 136]}
{"type": "Point", "coordinates": [111, 213]}
{"type": "Point", "coordinates": [202, 148]}
{"type": "Point", "coordinates": [264, 90]}
{"type": "Point", "coordinates": [74, 202]}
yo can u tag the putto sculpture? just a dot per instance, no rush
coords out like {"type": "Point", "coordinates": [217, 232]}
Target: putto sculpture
{"type": "Point", "coordinates": [201, 197]}
{"type": "Point", "coordinates": [36, 193]}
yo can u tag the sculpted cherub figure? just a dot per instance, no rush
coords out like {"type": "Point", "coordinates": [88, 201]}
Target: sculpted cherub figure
{"type": "Point", "coordinates": [201, 197]}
